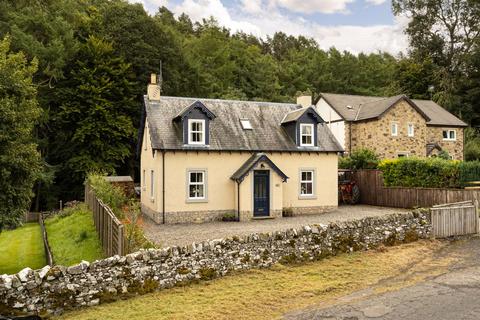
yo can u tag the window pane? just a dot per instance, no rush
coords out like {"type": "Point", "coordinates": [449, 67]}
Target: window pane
{"type": "Point", "coordinates": [309, 188]}
{"type": "Point", "coordinates": [306, 176]}
{"type": "Point", "coordinates": [306, 130]}
{"type": "Point", "coordinates": [306, 139]}
{"type": "Point", "coordinates": [193, 189]}
{"type": "Point", "coordinates": [200, 191]}
{"type": "Point", "coordinates": [445, 134]}
{"type": "Point", "coordinates": [452, 134]}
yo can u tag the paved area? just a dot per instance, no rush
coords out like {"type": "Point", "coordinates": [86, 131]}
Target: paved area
{"type": "Point", "coordinates": [452, 295]}
{"type": "Point", "coordinates": [183, 234]}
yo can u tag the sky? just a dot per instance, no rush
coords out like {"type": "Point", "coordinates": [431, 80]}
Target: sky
{"type": "Point", "coordinates": [353, 25]}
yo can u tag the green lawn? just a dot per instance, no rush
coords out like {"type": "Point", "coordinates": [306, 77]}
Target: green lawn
{"type": "Point", "coordinates": [72, 237]}
{"type": "Point", "coordinates": [21, 248]}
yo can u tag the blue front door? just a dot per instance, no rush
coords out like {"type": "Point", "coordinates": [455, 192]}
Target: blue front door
{"type": "Point", "coordinates": [261, 193]}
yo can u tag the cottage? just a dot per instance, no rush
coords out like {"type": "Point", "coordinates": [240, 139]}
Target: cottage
{"type": "Point", "coordinates": [392, 126]}
{"type": "Point", "coordinates": [202, 159]}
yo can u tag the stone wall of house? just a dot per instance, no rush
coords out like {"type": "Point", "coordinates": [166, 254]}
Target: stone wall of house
{"type": "Point", "coordinates": [376, 134]}
{"type": "Point", "coordinates": [454, 148]}
{"type": "Point", "coordinates": [54, 290]}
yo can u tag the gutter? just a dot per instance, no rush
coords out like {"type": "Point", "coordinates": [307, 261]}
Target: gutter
{"type": "Point", "coordinates": [238, 201]}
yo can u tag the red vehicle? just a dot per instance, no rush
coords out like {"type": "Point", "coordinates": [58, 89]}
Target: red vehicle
{"type": "Point", "coordinates": [348, 191]}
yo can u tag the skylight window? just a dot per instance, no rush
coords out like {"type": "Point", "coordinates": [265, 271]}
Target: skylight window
{"type": "Point", "coordinates": [246, 125]}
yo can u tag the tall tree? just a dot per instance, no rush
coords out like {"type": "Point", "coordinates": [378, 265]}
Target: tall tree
{"type": "Point", "coordinates": [19, 158]}
{"type": "Point", "coordinates": [93, 124]}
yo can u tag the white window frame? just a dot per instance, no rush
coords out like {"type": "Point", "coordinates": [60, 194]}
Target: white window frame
{"type": "Point", "coordinates": [312, 182]}
{"type": "Point", "coordinates": [204, 183]}
{"type": "Point", "coordinates": [311, 135]}
{"type": "Point", "coordinates": [152, 185]}
{"type": "Point", "coordinates": [394, 133]}
{"type": "Point", "coordinates": [448, 135]}
{"type": "Point", "coordinates": [411, 130]}
{"type": "Point", "coordinates": [190, 131]}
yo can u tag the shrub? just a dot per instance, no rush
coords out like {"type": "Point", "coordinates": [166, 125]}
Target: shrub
{"type": "Point", "coordinates": [229, 217]}
{"type": "Point", "coordinates": [426, 173]}
{"type": "Point", "coordinates": [112, 196]}
{"type": "Point", "coordinates": [127, 210]}
{"type": "Point", "coordinates": [472, 144]}
{"type": "Point", "coordinates": [469, 171]}
{"type": "Point", "coordinates": [359, 159]}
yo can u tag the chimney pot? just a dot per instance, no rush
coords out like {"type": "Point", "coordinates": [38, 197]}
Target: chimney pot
{"type": "Point", "coordinates": [153, 78]}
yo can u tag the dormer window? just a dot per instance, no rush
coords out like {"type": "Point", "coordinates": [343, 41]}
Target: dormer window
{"type": "Point", "coordinates": [195, 121]}
{"type": "Point", "coordinates": [306, 134]}
{"type": "Point", "coordinates": [196, 131]}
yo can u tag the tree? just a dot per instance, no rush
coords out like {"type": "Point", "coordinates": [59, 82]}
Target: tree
{"type": "Point", "coordinates": [446, 33]}
{"type": "Point", "coordinates": [93, 126]}
{"type": "Point", "coordinates": [19, 158]}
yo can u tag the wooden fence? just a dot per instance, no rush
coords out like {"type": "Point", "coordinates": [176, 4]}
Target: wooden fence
{"type": "Point", "coordinates": [454, 219]}
{"type": "Point", "coordinates": [373, 192]}
{"type": "Point", "coordinates": [110, 230]}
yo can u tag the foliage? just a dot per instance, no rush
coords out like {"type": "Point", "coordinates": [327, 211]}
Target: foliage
{"type": "Point", "coordinates": [21, 248]}
{"type": "Point", "coordinates": [444, 39]}
{"type": "Point", "coordinates": [94, 120]}
{"type": "Point", "coordinates": [444, 155]}
{"type": "Point", "coordinates": [425, 173]}
{"type": "Point", "coordinates": [472, 144]}
{"type": "Point", "coordinates": [127, 210]}
{"type": "Point", "coordinates": [469, 172]}
{"type": "Point", "coordinates": [72, 236]}
{"type": "Point", "coordinates": [111, 195]}
{"type": "Point", "coordinates": [19, 158]}
{"type": "Point", "coordinates": [359, 159]}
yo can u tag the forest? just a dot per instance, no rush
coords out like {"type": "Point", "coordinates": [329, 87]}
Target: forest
{"type": "Point", "coordinates": [73, 73]}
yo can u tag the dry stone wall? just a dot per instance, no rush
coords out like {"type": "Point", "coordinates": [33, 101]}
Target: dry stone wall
{"type": "Point", "coordinates": [54, 290]}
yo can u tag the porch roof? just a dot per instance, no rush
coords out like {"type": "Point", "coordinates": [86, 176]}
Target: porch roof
{"type": "Point", "coordinates": [248, 166]}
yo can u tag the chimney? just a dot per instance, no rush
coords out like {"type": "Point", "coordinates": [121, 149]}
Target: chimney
{"type": "Point", "coordinates": [304, 101]}
{"type": "Point", "coordinates": [153, 89]}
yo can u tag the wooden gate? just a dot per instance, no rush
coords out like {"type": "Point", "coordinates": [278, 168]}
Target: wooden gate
{"type": "Point", "coordinates": [454, 219]}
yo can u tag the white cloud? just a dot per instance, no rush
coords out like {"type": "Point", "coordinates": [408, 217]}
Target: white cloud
{"type": "Point", "coordinates": [262, 18]}
{"type": "Point", "coordinates": [204, 9]}
{"type": "Point", "coordinates": [151, 5]}
{"type": "Point", "coordinates": [313, 6]}
{"type": "Point", "coordinates": [376, 2]}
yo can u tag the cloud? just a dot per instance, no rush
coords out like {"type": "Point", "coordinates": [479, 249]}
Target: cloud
{"type": "Point", "coordinates": [314, 6]}
{"type": "Point", "coordinates": [151, 5]}
{"type": "Point", "coordinates": [263, 18]}
{"type": "Point", "coordinates": [376, 2]}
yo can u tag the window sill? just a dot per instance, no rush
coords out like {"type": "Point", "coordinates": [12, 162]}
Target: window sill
{"type": "Point", "coordinates": [306, 197]}
{"type": "Point", "coordinates": [449, 140]}
{"type": "Point", "coordinates": [196, 201]}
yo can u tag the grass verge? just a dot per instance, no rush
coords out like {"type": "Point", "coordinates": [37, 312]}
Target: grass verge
{"type": "Point", "coordinates": [21, 248]}
{"type": "Point", "coordinates": [269, 293]}
{"type": "Point", "coordinates": [72, 236]}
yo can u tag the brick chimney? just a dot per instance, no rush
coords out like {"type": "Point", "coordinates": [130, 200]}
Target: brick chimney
{"type": "Point", "coordinates": [304, 101]}
{"type": "Point", "coordinates": [153, 89]}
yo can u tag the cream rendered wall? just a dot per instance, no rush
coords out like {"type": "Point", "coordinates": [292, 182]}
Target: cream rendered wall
{"type": "Point", "coordinates": [221, 190]}
{"type": "Point", "coordinates": [334, 122]}
{"type": "Point", "coordinates": [150, 162]}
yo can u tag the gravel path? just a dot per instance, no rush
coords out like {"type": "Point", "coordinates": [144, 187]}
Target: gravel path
{"type": "Point", "coordinates": [183, 234]}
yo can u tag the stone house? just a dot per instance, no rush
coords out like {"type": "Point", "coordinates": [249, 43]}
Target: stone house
{"type": "Point", "coordinates": [203, 159]}
{"type": "Point", "coordinates": [392, 126]}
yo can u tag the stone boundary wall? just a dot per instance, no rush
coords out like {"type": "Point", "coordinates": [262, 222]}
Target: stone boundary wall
{"type": "Point", "coordinates": [53, 290]}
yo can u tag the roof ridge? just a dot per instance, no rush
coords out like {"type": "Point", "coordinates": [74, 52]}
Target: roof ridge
{"type": "Point", "coordinates": [231, 100]}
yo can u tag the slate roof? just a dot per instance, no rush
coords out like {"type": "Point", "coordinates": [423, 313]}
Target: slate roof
{"type": "Point", "coordinates": [366, 107]}
{"type": "Point", "coordinates": [226, 132]}
{"type": "Point", "coordinates": [245, 169]}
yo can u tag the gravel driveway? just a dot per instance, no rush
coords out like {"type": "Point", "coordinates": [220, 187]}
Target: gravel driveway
{"type": "Point", "coordinates": [183, 234]}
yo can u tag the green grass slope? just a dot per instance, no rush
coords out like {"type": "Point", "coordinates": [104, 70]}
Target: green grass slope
{"type": "Point", "coordinates": [72, 236]}
{"type": "Point", "coordinates": [21, 248]}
